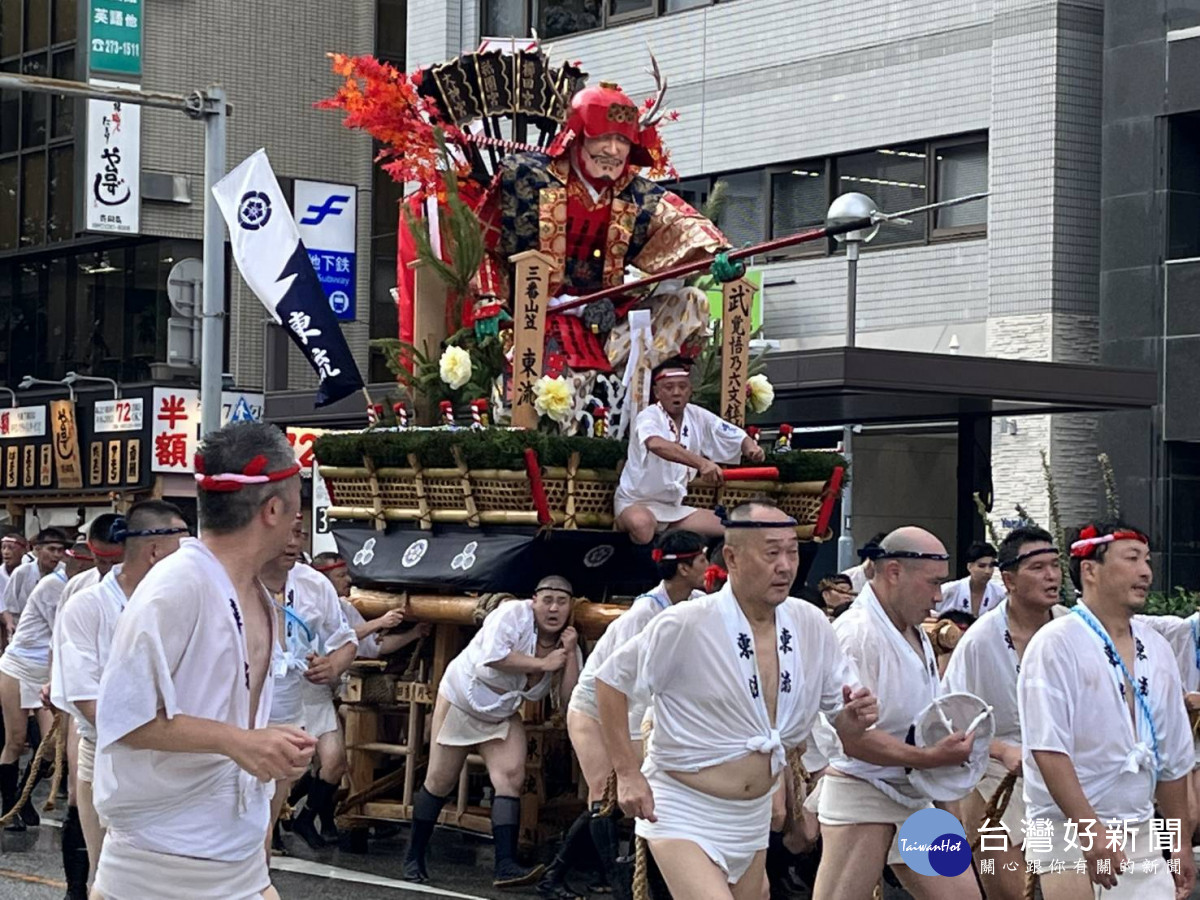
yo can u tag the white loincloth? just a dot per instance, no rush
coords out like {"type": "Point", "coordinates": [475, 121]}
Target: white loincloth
{"type": "Point", "coordinates": [729, 832]}
{"type": "Point", "coordinates": [319, 715]}
{"type": "Point", "coordinates": [664, 513]}
{"type": "Point", "coordinates": [31, 675]}
{"type": "Point", "coordinates": [459, 729]}
{"type": "Point", "coordinates": [85, 764]}
{"type": "Point", "coordinates": [843, 800]}
{"type": "Point", "coordinates": [126, 872]}
{"type": "Point", "coordinates": [1131, 885]}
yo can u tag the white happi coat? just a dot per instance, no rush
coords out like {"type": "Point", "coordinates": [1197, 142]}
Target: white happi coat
{"type": "Point", "coordinates": [313, 623]}
{"type": "Point", "coordinates": [180, 647]}
{"type": "Point", "coordinates": [1070, 703]}
{"type": "Point", "coordinates": [956, 595]}
{"type": "Point", "coordinates": [473, 685]}
{"type": "Point", "coordinates": [368, 647]}
{"type": "Point", "coordinates": [80, 582]}
{"type": "Point", "coordinates": [31, 640]}
{"type": "Point", "coordinates": [21, 583]}
{"type": "Point", "coordinates": [1184, 637]}
{"type": "Point", "coordinates": [984, 663]}
{"type": "Point", "coordinates": [627, 626]}
{"type": "Point", "coordinates": [904, 681]}
{"type": "Point", "coordinates": [83, 633]}
{"type": "Point", "coordinates": [660, 484]}
{"type": "Point", "coordinates": [696, 661]}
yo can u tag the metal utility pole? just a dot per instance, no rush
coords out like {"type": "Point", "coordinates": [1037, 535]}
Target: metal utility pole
{"type": "Point", "coordinates": [210, 107]}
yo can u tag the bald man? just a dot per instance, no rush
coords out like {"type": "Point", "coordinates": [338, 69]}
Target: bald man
{"type": "Point", "coordinates": [736, 679]}
{"type": "Point", "coordinates": [866, 796]}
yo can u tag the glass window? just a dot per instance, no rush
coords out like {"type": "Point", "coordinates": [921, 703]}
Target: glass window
{"type": "Point", "coordinates": [630, 7]}
{"type": "Point", "coordinates": [10, 120]}
{"type": "Point", "coordinates": [504, 18]}
{"type": "Point", "coordinates": [894, 177]}
{"type": "Point", "coordinates": [65, 15]}
{"type": "Point", "coordinates": [558, 17]}
{"type": "Point", "coordinates": [1183, 181]}
{"type": "Point", "coordinates": [35, 106]}
{"type": "Point", "coordinates": [391, 31]}
{"type": "Point", "coordinates": [677, 5]}
{"type": "Point", "coordinates": [8, 204]}
{"type": "Point", "coordinates": [799, 199]}
{"type": "Point", "coordinates": [10, 27]}
{"type": "Point", "coordinates": [62, 108]}
{"type": "Point", "coordinates": [33, 198]}
{"type": "Point", "coordinates": [741, 216]}
{"type": "Point", "coordinates": [385, 203]}
{"type": "Point", "coordinates": [961, 169]}
{"type": "Point", "coordinates": [37, 24]}
{"type": "Point", "coordinates": [60, 226]}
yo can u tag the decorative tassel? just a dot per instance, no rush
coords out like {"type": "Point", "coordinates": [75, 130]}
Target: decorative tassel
{"type": "Point", "coordinates": [447, 409]}
{"type": "Point", "coordinates": [401, 412]}
{"type": "Point", "coordinates": [599, 422]}
{"type": "Point", "coordinates": [784, 442]}
{"type": "Point", "coordinates": [479, 414]}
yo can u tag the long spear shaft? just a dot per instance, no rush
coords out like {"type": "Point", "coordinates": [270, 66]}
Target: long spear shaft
{"type": "Point", "coordinates": [800, 237]}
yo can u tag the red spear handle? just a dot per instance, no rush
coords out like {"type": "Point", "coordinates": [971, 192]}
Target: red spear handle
{"type": "Point", "coordinates": [751, 473]}
{"type": "Point", "coordinates": [800, 237]}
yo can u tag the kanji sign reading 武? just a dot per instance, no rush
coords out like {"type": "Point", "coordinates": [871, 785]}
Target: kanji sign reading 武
{"type": "Point", "coordinates": [735, 348]}
{"type": "Point", "coordinates": [65, 444]}
{"type": "Point", "coordinates": [115, 36]}
{"type": "Point", "coordinates": [532, 282]}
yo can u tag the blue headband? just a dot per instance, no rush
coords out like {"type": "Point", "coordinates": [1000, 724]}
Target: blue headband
{"type": "Point", "coordinates": [120, 532]}
{"type": "Point", "coordinates": [723, 517]}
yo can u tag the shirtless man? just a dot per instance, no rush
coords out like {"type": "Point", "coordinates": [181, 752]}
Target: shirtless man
{"type": "Point", "coordinates": [866, 796]}
{"type": "Point", "coordinates": [1105, 734]}
{"type": "Point", "coordinates": [736, 678]}
{"type": "Point", "coordinates": [24, 669]}
{"type": "Point", "coordinates": [523, 646]}
{"type": "Point", "coordinates": [986, 663]}
{"type": "Point", "coordinates": [682, 564]}
{"type": "Point", "coordinates": [671, 442]}
{"type": "Point", "coordinates": [83, 632]}
{"type": "Point", "coordinates": [316, 645]}
{"type": "Point", "coordinates": [185, 765]}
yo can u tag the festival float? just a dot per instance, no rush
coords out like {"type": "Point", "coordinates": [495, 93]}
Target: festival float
{"type": "Point", "coordinates": [534, 301]}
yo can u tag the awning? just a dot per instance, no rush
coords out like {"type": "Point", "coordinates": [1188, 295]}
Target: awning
{"type": "Point", "coordinates": [861, 385]}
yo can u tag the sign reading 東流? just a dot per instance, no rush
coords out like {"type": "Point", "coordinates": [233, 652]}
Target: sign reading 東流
{"type": "Point", "coordinates": [115, 36]}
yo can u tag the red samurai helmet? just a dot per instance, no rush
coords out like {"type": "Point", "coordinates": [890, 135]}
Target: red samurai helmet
{"type": "Point", "coordinates": [606, 109]}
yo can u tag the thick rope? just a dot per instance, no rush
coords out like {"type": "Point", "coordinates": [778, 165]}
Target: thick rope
{"type": "Point", "coordinates": [641, 870]}
{"type": "Point", "coordinates": [485, 604]}
{"type": "Point", "coordinates": [996, 806]}
{"type": "Point", "coordinates": [60, 755]}
{"type": "Point", "coordinates": [1031, 882]}
{"type": "Point", "coordinates": [414, 661]}
{"type": "Point", "coordinates": [608, 804]}
{"type": "Point", "coordinates": [795, 759]}
{"type": "Point", "coordinates": [48, 741]}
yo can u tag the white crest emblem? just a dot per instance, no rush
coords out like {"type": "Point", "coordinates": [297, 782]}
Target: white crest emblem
{"type": "Point", "coordinates": [598, 556]}
{"type": "Point", "coordinates": [415, 553]}
{"type": "Point", "coordinates": [364, 556]}
{"type": "Point", "coordinates": [466, 559]}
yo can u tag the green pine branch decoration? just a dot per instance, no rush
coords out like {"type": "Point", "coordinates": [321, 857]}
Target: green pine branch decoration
{"type": "Point", "coordinates": [981, 508]}
{"type": "Point", "coordinates": [1112, 500]}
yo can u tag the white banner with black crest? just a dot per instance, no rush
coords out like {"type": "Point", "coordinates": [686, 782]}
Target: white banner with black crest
{"type": "Point", "coordinates": [275, 263]}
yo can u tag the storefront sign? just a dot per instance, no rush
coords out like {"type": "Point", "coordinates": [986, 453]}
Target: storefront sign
{"type": "Point", "coordinates": [175, 424]}
{"type": "Point", "coordinates": [115, 36]}
{"type": "Point", "coordinates": [11, 462]}
{"type": "Point", "coordinates": [327, 216]}
{"type": "Point", "coordinates": [23, 422]}
{"type": "Point", "coordinates": [96, 463]}
{"type": "Point", "coordinates": [302, 440]}
{"type": "Point", "coordinates": [28, 470]}
{"type": "Point", "coordinates": [45, 466]}
{"type": "Point", "coordinates": [112, 183]}
{"type": "Point", "coordinates": [65, 441]}
{"type": "Point", "coordinates": [117, 415]}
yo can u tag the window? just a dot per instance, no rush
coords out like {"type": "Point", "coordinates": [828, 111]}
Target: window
{"type": "Point", "coordinates": [558, 18]}
{"type": "Point", "coordinates": [391, 31]}
{"type": "Point", "coordinates": [36, 130]}
{"type": "Point", "coordinates": [799, 200]}
{"type": "Point", "coordinates": [960, 169]}
{"type": "Point", "coordinates": [741, 212]}
{"type": "Point", "coordinates": [894, 177]}
{"type": "Point", "coordinates": [693, 191]}
{"type": "Point", "coordinates": [1183, 187]}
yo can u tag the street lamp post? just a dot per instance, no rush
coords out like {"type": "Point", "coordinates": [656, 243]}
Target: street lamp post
{"type": "Point", "coordinates": [29, 381]}
{"type": "Point", "coordinates": [72, 377]}
{"type": "Point", "coordinates": [847, 208]}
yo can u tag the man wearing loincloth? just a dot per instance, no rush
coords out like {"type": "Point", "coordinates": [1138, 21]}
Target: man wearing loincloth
{"type": "Point", "coordinates": [1105, 734]}
{"type": "Point", "coordinates": [185, 763]}
{"type": "Point", "coordinates": [671, 442]}
{"type": "Point", "coordinates": [736, 679]}
{"type": "Point", "coordinates": [24, 669]}
{"type": "Point", "coordinates": [977, 593]}
{"type": "Point", "coordinates": [49, 545]}
{"type": "Point", "coordinates": [986, 662]}
{"type": "Point", "coordinates": [682, 564]}
{"type": "Point", "coordinates": [866, 795]}
{"type": "Point", "coordinates": [83, 632]}
{"type": "Point", "coordinates": [315, 646]}
{"type": "Point", "coordinates": [523, 647]}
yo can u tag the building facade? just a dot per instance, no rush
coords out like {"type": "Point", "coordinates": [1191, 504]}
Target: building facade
{"type": "Point", "coordinates": [793, 102]}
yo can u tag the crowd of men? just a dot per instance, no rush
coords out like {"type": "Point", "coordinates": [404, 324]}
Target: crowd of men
{"type": "Point", "coordinates": [199, 675]}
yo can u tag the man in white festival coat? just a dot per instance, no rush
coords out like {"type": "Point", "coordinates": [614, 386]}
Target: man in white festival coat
{"type": "Point", "coordinates": [185, 765]}
{"type": "Point", "coordinates": [736, 679]}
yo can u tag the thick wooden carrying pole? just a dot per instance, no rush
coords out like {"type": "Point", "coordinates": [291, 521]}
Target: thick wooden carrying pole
{"type": "Point", "coordinates": [429, 325]}
{"type": "Point", "coordinates": [531, 282]}
{"type": "Point", "coordinates": [591, 619]}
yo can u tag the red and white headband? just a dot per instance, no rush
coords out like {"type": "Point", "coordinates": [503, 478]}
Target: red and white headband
{"type": "Point", "coordinates": [672, 373]}
{"type": "Point", "coordinates": [254, 473]}
{"type": "Point", "coordinates": [329, 567]}
{"type": "Point", "coordinates": [1090, 539]}
{"type": "Point", "coordinates": [658, 556]}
